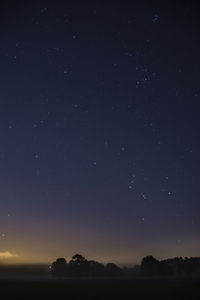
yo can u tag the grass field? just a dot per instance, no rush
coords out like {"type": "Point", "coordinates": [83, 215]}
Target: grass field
{"type": "Point", "coordinates": [100, 289]}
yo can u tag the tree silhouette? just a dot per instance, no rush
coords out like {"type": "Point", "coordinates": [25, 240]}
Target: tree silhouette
{"type": "Point", "coordinates": [59, 268]}
{"type": "Point", "coordinates": [150, 266]}
{"type": "Point", "coordinates": [78, 259]}
{"type": "Point", "coordinates": [113, 270]}
{"type": "Point", "coordinates": [79, 266]}
{"type": "Point", "coordinates": [96, 269]}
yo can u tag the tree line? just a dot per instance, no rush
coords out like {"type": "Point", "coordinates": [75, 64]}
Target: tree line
{"type": "Point", "coordinates": [79, 266]}
{"type": "Point", "coordinates": [177, 266]}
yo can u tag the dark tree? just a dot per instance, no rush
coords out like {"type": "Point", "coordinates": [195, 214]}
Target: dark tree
{"type": "Point", "coordinates": [96, 269]}
{"type": "Point", "coordinates": [113, 270]}
{"type": "Point", "coordinates": [150, 266]}
{"type": "Point", "coordinates": [78, 259]}
{"type": "Point", "coordinates": [79, 266]}
{"type": "Point", "coordinates": [59, 268]}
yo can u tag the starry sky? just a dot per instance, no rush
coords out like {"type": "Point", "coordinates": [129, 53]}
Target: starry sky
{"type": "Point", "coordinates": [99, 139]}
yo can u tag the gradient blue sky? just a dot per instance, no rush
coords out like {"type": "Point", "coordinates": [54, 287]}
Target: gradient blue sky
{"type": "Point", "coordinates": [99, 118]}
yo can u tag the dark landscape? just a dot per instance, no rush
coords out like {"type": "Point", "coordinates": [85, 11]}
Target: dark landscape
{"type": "Point", "coordinates": [151, 280]}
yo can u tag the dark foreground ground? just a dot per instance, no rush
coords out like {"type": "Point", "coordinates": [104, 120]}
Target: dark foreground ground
{"type": "Point", "coordinates": [100, 289]}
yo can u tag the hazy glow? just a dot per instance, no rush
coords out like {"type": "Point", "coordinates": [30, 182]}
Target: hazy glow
{"type": "Point", "coordinates": [7, 254]}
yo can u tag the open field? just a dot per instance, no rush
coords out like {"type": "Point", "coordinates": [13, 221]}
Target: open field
{"type": "Point", "coordinates": [101, 289]}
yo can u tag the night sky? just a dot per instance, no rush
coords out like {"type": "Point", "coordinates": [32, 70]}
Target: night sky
{"type": "Point", "coordinates": [99, 131]}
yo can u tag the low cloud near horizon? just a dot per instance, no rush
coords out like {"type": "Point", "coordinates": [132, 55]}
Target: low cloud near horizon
{"type": "Point", "coordinates": [7, 254]}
